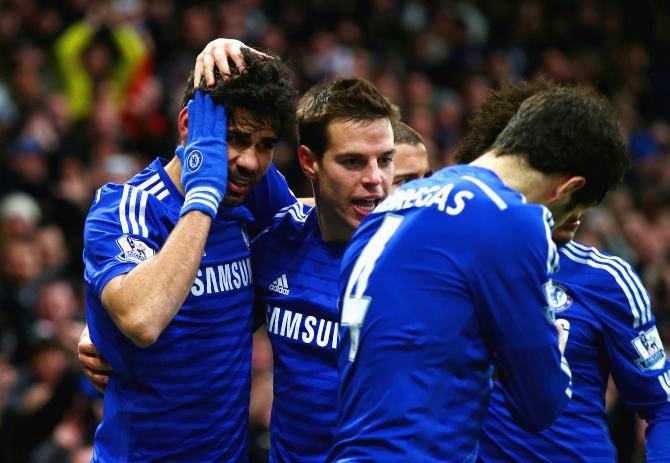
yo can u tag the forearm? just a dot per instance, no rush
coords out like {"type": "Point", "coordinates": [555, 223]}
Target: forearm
{"type": "Point", "coordinates": [537, 386]}
{"type": "Point", "coordinates": [144, 301]}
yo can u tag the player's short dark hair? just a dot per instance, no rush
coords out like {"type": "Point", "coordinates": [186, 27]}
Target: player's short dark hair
{"type": "Point", "coordinates": [404, 134]}
{"type": "Point", "coordinates": [351, 99]}
{"type": "Point", "coordinates": [263, 90]}
{"type": "Point", "coordinates": [559, 129]}
{"type": "Point", "coordinates": [493, 115]}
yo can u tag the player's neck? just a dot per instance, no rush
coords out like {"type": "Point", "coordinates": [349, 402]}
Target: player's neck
{"type": "Point", "coordinates": [516, 173]}
{"type": "Point", "coordinates": [173, 169]}
{"type": "Point", "coordinates": [332, 226]}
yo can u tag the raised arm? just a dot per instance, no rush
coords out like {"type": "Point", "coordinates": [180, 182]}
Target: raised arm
{"type": "Point", "coordinates": [144, 300]}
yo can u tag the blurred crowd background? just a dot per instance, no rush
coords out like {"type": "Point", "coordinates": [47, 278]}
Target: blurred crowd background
{"type": "Point", "coordinates": [89, 92]}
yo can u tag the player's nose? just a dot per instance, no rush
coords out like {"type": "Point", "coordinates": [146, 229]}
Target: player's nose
{"type": "Point", "coordinates": [247, 161]}
{"type": "Point", "coordinates": [372, 174]}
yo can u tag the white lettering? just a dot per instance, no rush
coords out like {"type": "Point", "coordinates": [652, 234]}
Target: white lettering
{"type": "Point", "coordinates": [336, 335]}
{"type": "Point", "coordinates": [459, 199]}
{"type": "Point", "coordinates": [273, 325]}
{"type": "Point", "coordinates": [441, 197]}
{"type": "Point", "coordinates": [198, 288]}
{"type": "Point", "coordinates": [224, 277]}
{"type": "Point", "coordinates": [409, 199]}
{"type": "Point", "coordinates": [425, 194]}
{"type": "Point", "coordinates": [322, 336]}
{"type": "Point", "coordinates": [251, 273]}
{"type": "Point", "coordinates": [295, 325]}
{"type": "Point", "coordinates": [236, 276]}
{"type": "Point", "coordinates": [308, 335]}
{"type": "Point", "coordinates": [290, 325]}
{"type": "Point", "coordinates": [211, 280]}
{"type": "Point", "coordinates": [245, 273]}
{"type": "Point", "coordinates": [436, 195]}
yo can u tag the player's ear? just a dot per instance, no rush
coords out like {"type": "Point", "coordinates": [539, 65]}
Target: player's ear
{"type": "Point", "coordinates": [182, 124]}
{"type": "Point", "coordinates": [566, 187]}
{"type": "Point", "coordinates": [308, 162]}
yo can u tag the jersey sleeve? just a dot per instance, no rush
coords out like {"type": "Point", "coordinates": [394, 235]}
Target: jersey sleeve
{"type": "Point", "coordinates": [268, 197]}
{"type": "Point", "coordinates": [511, 290]}
{"type": "Point", "coordinates": [122, 230]}
{"type": "Point", "coordinates": [636, 355]}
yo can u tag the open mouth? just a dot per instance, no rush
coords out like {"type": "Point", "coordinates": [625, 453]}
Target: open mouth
{"type": "Point", "coordinates": [239, 185]}
{"type": "Point", "coordinates": [366, 205]}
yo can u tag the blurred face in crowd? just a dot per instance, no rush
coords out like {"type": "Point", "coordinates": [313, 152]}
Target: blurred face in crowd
{"type": "Point", "coordinates": [411, 163]}
{"type": "Point", "coordinates": [30, 167]}
{"type": "Point", "coordinates": [352, 176]}
{"type": "Point", "coordinates": [49, 364]}
{"type": "Point", "coordinates": [251, 145]}
{"type": "Point", "coordinates": [21, 261]}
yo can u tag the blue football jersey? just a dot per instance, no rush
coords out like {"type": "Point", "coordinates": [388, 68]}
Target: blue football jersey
{"type": "Point", "coordinates": [442, 282]}
{"type": "Point", "coordinates": [610, 328]}
{"type": "Point", "coordinates": [297, 275]}
{"type": "Point", "coordinates": [186, 397]}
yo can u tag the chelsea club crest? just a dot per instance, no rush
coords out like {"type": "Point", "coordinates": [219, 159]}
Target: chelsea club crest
{"type": "Point", "coordinates": [558, 297]}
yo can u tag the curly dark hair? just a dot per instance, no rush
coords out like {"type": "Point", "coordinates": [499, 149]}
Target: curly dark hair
{"type": "Point", "coordinates": [263, 91]}
{"type": "Point", "coordinates": [558, 129]}
{"type": "Point", "coordinates": [351, 99]}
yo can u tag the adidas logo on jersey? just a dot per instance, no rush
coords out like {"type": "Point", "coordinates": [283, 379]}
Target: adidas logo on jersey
{"type": "Point", "coordinates": [280, 285]}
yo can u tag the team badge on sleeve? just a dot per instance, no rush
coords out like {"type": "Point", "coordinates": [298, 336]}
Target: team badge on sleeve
{"type": "Point", "coordinates": [133, 250]}
{"type": "Point", "coordinates": [558, 297]}
{"type": "Point", "coordinates": [650, 348]}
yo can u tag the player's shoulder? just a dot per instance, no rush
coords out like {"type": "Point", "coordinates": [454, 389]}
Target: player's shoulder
{"type": "Point", "coordinates": [503, 208]}
{"type": "Point", "coordinates": [486, 186]}
{"type": "Point", "coordinates": [130, 203]}
{"type": "Point", "coordinates": [613, 277]}
{"type": "Point", "coordinates": [287, 225]}
{"type": "Point", "coordinates": [599, 267]}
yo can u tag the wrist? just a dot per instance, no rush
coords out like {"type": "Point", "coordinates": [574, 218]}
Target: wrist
{"type": "Point", "coordinates": [196, 216]}
{"type": "Point", "coordinates": [205, 199]}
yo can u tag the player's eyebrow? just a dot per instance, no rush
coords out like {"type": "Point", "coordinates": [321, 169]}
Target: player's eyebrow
{"type": "Point", "coordinates": [390, 152]}
{"type": "Point", "coordinates": [240, 134]}
{"type": "Point", "coordinates": [270, 140]}
{"type": "Point", "coordinates": [245, 137]}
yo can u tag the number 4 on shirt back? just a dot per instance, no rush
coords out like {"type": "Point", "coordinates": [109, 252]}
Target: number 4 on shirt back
{"type": "Point", "coordinates": [355, 304]}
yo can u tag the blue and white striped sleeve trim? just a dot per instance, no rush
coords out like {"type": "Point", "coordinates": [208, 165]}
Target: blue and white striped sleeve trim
{"type": "Point", "coordinates": [298, 211]}
{"type": "Point", "coordinates": [623, 274]}
{"type": "Point", "coordinates": [664, 379]}
{"type": "Point", "coordinates": [553, 257]}
{"type": "Point", "coordinates": [132, 211]}
{"type": "Point", "coordinates": [566, 369]}
{"type": "Point", "coordinates": [155, 186]}
{"type": "Point", "coordinates": [205, 195]}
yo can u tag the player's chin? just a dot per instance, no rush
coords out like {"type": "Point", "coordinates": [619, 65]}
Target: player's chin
{"type": "Point", "coordinates": [354, 218]}
{"type": "Point", "coordinates": [234, 199]}
{"type": "Point", "coordinates": [562, 236]}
